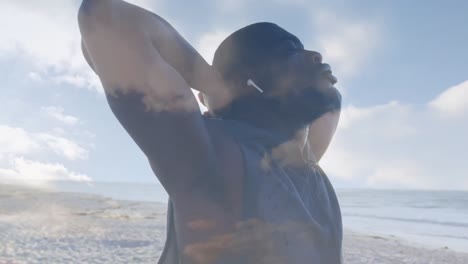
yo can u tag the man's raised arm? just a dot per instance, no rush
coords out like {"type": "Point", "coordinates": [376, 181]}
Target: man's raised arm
{"type": "Point", "coordinates": [129, 49]}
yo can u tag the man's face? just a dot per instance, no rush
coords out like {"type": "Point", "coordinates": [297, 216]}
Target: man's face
{"type": "Point", "coordinates": [300, 86]}
{"type": "Point", "coordinates": [292, 69]}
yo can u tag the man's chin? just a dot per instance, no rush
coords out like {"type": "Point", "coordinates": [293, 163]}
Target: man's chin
{"type": "Point", "coordinates": [305, 116]}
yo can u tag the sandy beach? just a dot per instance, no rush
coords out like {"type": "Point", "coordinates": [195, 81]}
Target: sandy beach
{"type": "Point", "coordinates": [38, 226]}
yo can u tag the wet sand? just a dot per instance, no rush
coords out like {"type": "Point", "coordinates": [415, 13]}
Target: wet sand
{"type": "Point", "coordinates": [38, 226]}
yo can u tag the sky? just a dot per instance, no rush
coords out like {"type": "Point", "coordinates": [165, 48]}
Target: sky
{"type": "Point", "coordinates": [402, 68]}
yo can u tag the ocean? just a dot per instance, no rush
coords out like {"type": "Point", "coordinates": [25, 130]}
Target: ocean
{"type": "Point", "coordinates": [432, 218]}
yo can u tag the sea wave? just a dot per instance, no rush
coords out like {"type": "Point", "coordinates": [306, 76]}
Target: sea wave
{"type": "Point", "coordinates": [446, 236]}
{"type": "Point", "coordinates": [413, 220]}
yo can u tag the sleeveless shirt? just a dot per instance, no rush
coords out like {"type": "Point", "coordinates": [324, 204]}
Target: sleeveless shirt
{"type": "Point", "coordinates": [290, 214]}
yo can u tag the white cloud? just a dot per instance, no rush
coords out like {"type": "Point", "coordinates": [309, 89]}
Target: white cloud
{"type": "Point", "coordinates": [390, 120]}
{"type": "Point", "coordinates": [209, 42]}
{"type": "Point", "coordinates": [74, 79]}
{"type": "Point", "coordinates": [58, 114]}
{"type": "Point", "coordinates": [151, 5]}
{"type": "Point", "coordinates": [34, 76]}
{"type": "Point", "coordinates": [15, 141]}
{"type": "Point", "coordinates": [398, 145]}
{"type": "Point", "coordinates": [400, 173]}
{"type": "Point", "coordinates": [46, 34]}
{"type": "Point", "coordinates": [23, 171]}
{"type": "Point", "coordinates": [453, 101]}
{"type": "Point", "coordinates": [59, 131]}
{"type": "Point", "coordinates": [63, 146]}
{"type": "Point", "coordinates": [345, 44]}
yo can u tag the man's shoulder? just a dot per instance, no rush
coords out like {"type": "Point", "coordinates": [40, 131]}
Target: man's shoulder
{"type": "Point", "coordinates": [224, 140]}
{"type": "Point", "coordinates": [233, 129]}
{"type": "Point", "coordinates": [220, 130]}
{"type": "Point", "coordinates": [228, 164]}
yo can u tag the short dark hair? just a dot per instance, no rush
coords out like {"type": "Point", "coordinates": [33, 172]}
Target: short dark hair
{"type": "Point", "coordinates": [243, 53]}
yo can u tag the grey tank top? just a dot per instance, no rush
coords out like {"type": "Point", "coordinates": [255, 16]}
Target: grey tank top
{"type": "Point", "coordinates": [290, 215]}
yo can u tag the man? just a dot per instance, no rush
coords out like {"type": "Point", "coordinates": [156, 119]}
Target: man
{"type": "Point", "coordinates": [243, 181]}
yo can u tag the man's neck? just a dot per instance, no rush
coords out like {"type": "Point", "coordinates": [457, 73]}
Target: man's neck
{"type": "Point", "coordinates": [293, 149]}
{"type": "Point", "coordinates": [293, 152]}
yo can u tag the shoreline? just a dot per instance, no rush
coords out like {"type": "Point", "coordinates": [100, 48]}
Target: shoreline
{"type": "Point", "coordinates": [359, 247]}
{"type": "Point", "coordinates": [59, 227]}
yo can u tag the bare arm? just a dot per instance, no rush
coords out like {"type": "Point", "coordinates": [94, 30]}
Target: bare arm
{"type": "Point", "coordinates": [147, 88]}
{"type": "Point", "coordinates": [170, 45]}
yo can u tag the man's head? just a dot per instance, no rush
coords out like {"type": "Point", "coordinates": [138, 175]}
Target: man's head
{"type": "Point", "coordinates": [297, 87]}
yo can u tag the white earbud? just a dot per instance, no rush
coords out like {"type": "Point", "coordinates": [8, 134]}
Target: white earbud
{"type": "Point", "coordinates": [251, 83]}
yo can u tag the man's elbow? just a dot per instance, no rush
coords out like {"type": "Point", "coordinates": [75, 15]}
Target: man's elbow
{"type": "Point", "coordinates": [92, 12]}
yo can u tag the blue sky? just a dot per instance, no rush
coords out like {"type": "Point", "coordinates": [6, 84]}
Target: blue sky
{"type": "Point", "coordinates": [402, 66]}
